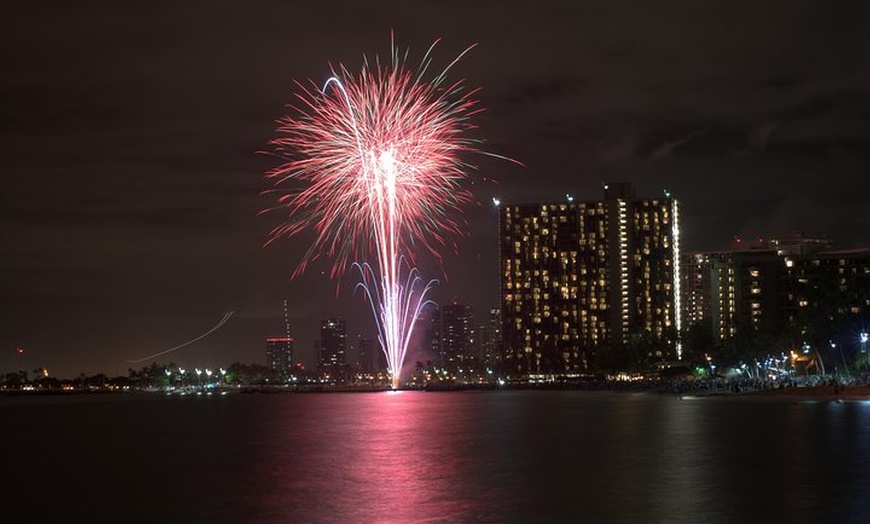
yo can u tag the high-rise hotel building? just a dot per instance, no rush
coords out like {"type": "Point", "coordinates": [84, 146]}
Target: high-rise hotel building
{"type": "Point", "coordinates": [731, 292]}
{"type": "Point", "coordinates": [835, 283]}
{"type": "Point", "coordinates": [767, 286]}
{"type": "Point", "coordinates": [578, 279]}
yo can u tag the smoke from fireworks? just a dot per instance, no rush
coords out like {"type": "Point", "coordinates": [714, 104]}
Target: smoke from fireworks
{"type": "Point", "coordinates": [376, 157]}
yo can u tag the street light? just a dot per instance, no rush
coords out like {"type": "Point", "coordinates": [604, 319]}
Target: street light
{"type": "Point", "coordinates": [863, 337]}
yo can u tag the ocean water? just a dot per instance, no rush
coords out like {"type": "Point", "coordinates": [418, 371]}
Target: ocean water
{"type": "Point", "coordinates": [427, 457]}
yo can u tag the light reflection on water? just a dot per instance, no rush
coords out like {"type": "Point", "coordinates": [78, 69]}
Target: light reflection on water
{"type": "Point", "coordinates": [414, 457]}
{"type": "Point", "coordinates": [383, 458]}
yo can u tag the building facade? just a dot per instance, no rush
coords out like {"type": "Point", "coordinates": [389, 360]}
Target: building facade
{"type": "Point", "coordinates": [487, 340]}
{"type": "Point", "coordinates": [792, 291]}
{"type": "Point", "coordinates": [367, 360]}
{"type": "Point", "coordinates": [456, 338]}
{"type": "Point", "coordinates": [279, 355]}
{"type": "Point", "coordinates": [731, 292]}
{"type": "Point", "coordinates": [333, 345]}
{"type": "Point", "coordinates": [581, 279]}
{"type": "Point", "coordinates": [829, 284]}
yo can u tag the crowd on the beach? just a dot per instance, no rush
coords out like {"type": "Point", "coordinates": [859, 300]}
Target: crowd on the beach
{"type": "Point", "coordinates": [709, 386]}
{"type": "Point", "coordinates": [720, 385]}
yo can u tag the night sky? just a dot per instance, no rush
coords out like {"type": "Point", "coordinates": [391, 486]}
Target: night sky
{"type": "Point", "coordinates": [133, 173]}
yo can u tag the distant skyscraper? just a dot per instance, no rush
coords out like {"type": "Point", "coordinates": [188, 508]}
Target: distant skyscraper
{"type": "Point", "coordinates": [496, 328]}
{"type": "Point", "coordinates": [279, 350]}
{"type": "Point", "coordinates": [286, 319]}
{"type": "Point", "coordinates": [487, 339]}
{"type": "Point", "coordinates": [697, 282]}
{"type": "Point", "coordinates": [365, 353]}
{"type": "Point", "coordinates": [432, 334]}
{"type": "Point", "coordinates": [333, 344]}
{"type": "Point", "coordinates": [456, 336]}
{"type": "Point", "coordinates": [279, 354]}
{"type": "Point", "coordinates": [578, 279]}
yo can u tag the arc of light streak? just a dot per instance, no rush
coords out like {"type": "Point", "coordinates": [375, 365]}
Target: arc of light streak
{"type": "Point", "coordinates": [411, 301]}
{"type": "Point", "coordinates": [189, 342]}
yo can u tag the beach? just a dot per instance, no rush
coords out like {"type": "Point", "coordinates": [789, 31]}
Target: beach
{"type": "Point", "coordinates": [826, 392]}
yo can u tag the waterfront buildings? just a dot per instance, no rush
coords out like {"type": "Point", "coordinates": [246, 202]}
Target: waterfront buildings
{"type": "Point", "coordinates": [730, 292]}
{"type": "Point", "coordinates": [789, 294]}
{"type": "Point", "coordinates": [487, 339]}
{"type": "Point", "coordinates": [836, 282]}
{"type": "Point", "coordinates": [581, 281]}
{"type": "Point", "coordinates": [279, 355]}
{"type": "Point", "coordinates": [366, 356]}
{"type": "Point", "coordinates": [456, 337]}
{"type": "Point", "coordinates": [332, 346]}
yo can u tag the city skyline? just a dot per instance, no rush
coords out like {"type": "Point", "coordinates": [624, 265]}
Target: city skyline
{"type": "Point", "coordinates": [133, 180]}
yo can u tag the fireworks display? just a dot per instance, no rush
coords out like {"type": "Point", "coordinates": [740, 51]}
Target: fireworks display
{"type": "Point", "coordinates": [373, 167]}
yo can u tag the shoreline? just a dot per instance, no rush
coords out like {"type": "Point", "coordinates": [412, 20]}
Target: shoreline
{"type": "Point", "coordinates": [802, 393]}
{"type": "Point", "coordinates": [815, 392]}
{"type": "Point", "coordinates": [819, 393]}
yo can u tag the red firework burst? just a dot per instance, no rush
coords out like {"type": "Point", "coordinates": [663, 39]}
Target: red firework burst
{"type": "Point", "coordinates": [383, 130]}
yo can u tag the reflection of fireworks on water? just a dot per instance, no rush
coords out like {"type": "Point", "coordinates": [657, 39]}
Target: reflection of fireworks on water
{"type": "Point", "coordinates": [378, 155]}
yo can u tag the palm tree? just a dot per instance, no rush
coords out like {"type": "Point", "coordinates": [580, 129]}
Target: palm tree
{"type": "Point", "coordinates": [862, 361]}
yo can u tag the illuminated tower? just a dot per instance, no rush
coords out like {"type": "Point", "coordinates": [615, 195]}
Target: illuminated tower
{"type": "Point", "coordinates": [487, 339]}
{"type": "Point", "coordinates": [366, 354]}
{"type": "Point", "coordinates": [333, 345]}
{"type": "Point", "coordinates": [279, 354]}
{"type": "Point", "coordinates": [581, 279]}
{"type": "Point", "coordinates": [432, 340]}
{"type": "Point", "coordinates": [711, 283]}
{"type": "Point", "coordinates": [279, 350]}
{"type": "Point", "coordinates": [644, 277]}
{"type": "Point", "coordinates": [456, 336]}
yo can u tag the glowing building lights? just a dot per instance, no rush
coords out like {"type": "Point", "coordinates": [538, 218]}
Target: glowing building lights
{"type": "Point", "coordinates": [678, 307]}
{"type": "Point", "coordinates": [601, 267]}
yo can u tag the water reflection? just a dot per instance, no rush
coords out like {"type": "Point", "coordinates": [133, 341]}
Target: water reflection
{"type": "Point", "coordinates": [512, 456]}
{"type": "Point", "coordinates": [380, 458]}
{"type": "Point", "coordinates": [408, 464]}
